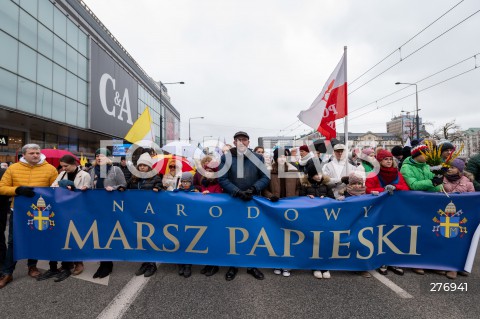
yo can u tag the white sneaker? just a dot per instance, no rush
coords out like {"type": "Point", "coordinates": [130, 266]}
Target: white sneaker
{"type": "Point", "coordinates": [277, 271]}
{"type": "Point", "coordinates": [326, 275]}
{"type": "Point", "coordinates": [286, 273]}
{"type": "Point", "coordinates": [317, 274]}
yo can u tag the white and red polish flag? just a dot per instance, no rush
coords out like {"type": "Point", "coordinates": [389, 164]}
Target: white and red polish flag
{"type": "Point", "coordinates": [330, 104]}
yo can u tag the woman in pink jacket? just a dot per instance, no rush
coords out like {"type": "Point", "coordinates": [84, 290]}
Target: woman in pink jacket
{"type": "Point", "coordinates": [455, 182]}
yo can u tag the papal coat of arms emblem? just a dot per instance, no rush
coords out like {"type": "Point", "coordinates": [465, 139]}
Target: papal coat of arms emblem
{"type": "Point", "coordinates": [450, 222]}
{"type": "Point", "coordinates": [42, 216]}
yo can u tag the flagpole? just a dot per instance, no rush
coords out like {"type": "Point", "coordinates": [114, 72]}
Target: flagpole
{"type": "Point", "coordinates": [346, 104]}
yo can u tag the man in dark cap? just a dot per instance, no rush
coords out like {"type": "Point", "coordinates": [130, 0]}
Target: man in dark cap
{"type": "Point", "coordinates": [247, 176]}
{"type": "Point", "coordinates": [397, 152]}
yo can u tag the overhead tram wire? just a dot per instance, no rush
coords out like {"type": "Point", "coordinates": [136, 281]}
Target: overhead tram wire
{"type": "Point", "coordinates": [394, 51]}
{"type": "Point", "coordinates": [419, 81]}
{"type": "Point", "coordinates": [423, 46]}
{"type": "Point", "coordinates": [285, 128]}
{"type": "Point", "coordinates": [424, 89]}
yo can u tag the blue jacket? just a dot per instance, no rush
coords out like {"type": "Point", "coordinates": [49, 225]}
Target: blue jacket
{"type": "Point", "coordinates": [252, 175]}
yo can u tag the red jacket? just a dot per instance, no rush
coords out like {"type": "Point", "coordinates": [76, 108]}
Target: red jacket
{"type": "Point", "coordinates": [373, 183]}
{"type": "Point", "coordinates": [212, 188]}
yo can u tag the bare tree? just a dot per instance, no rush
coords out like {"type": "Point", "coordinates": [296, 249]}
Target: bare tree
{"type": "Point", "coordinates": [450, 131]}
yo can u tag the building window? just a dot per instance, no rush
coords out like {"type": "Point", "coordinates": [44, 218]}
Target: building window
{"type": "Point", "coordinates": [72, 86]}
{"type": "Point", "coordinates": [26, 95]}
{"type": "Point", "coordinates": [58, 107]}
{"type": "Point", "coordinates": [9, 52]}
{"type": "Point", "coordinates": [45, 71]}
{"type": "Point", "coordinates": [45, 13]}
{"type": "Point", "coordinates": [59, 79]}
{"type": "Point", "coordinates": [8, 88]}
{"type": "Point", "coordinates": [9, 18]}
{"type": "Point", "coordinates": [45, 41]}
{"type": "Point", "coordinates": [71, 112]}
{"type": "Point", "coordinates": [44, 102]}
{"type": "Point", "coordinates": [28, 30]}
{"type": "Point", "coordinates": [27, 62]}
{"type": "Point", "coordinates": [60, 23]}
{"type": "Point", "coordinates": [72, 60]}
{"type": "Point", "coordinates": [60, 51]}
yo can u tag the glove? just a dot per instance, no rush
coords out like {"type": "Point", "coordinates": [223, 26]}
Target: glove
{"type": "Point", "coordinates": [341, 198]}
{"type": "Point", "coordinates": [121, 189]}
{"type": "Point", "coordinates": [390, 189]}
{"type": "Point", "coordinates": [245, 195]}
{"type": "Point", "coordinates": [437, 180]}
{"type": "Point", "coordinates": [25, 191]}
{"type": "Point", "coordinates": [344, 180]}
{"type": "Point", "coordinates": [274, 199]}
{"type": "Point", "coordinates": [435, 168]}
{"type": "Point", "coordinates": [252, 190]}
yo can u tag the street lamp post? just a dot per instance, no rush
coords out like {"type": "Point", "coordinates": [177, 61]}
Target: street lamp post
{"type": "Point", "coordinates": [192, 118]}
{"type": "Point", "coordinates": [161, 117]}
{"type": "Point", "coordinates": [417, 124]}
{"type": "Point", "coordinates": [203, 140]}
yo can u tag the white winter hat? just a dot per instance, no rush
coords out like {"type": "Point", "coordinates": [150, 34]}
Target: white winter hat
{"type": "Point", "coordinates": [145, 159]}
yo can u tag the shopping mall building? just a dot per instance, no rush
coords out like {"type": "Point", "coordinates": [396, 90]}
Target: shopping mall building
{"type": "Point", "coordinates": [67, 83]}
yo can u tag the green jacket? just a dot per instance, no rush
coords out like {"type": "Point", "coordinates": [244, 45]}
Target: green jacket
{"type": "Point", "coordinates": [473, 166]}
{"type": "Point", "coordinates": [418, 176]}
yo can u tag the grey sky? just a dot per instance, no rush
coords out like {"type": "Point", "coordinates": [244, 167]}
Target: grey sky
{"type": "Point", "coordinates": [254, 65]}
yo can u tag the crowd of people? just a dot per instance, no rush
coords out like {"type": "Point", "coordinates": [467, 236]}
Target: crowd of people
{"type": "Point", "coordinates": [304, 171]}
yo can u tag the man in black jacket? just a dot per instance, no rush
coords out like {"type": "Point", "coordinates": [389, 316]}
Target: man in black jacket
{"type": "Point", "coordinates": [247, 176]}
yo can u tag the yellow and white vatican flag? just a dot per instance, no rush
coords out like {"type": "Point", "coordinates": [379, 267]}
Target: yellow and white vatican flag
{"type": "Point", "coordinates": [141, 129]}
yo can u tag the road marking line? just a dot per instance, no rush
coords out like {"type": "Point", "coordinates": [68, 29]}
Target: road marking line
{"type": "Point", "coordinates": [390, 284]}
{"type": "Point", "coordinates": [120, 304]}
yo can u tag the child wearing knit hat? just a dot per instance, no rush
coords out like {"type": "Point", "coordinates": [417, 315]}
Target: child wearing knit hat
{"type": "Point", "coordinates": [186, 185]}
{"type": "Point", "coordinates": [455, 182]}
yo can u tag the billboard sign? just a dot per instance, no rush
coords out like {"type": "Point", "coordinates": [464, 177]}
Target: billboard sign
{"type": "Point", "coordinates": [114, 103]}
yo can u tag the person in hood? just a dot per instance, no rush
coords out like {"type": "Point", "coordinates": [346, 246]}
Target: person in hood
{"type": "Point", "coordinates": [246, 177]}
{"type": "Point", "coordinates": [18, 180]}
{"type": "Point", "coordinates": [339, 168]}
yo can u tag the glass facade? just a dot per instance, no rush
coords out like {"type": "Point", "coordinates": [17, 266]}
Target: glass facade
{"type": "Point", "coordinates": [43, 62]}
{"type": "Point", "coordinates": [45, 74]}
{"type": "Point", "coordinates": [162, 119]}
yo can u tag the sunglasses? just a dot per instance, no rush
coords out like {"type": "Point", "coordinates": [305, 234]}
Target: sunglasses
{"type": "Point", "coordinates": [172, 166]}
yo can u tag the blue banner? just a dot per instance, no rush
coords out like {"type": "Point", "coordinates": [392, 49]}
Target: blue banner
{"type": "Point", "coordinates": [407, 229]}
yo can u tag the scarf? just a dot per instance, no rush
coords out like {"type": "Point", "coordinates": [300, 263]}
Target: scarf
{"type": "Point", "coordinates": [453, 178]}
{"type": "Point", "coordinates": [303, 161]}
{"type": "Point", "coordinates": [356, 191]}
{"type": "Point", "coordinates": [100, 180]}
{"type": "Point", "coordinates": [388, 175]}
{"type": "Point", "coordinates": [71, 176]}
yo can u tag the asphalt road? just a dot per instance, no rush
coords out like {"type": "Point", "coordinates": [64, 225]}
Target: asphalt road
{"type": "Point", "coordinates": [167, 295]}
